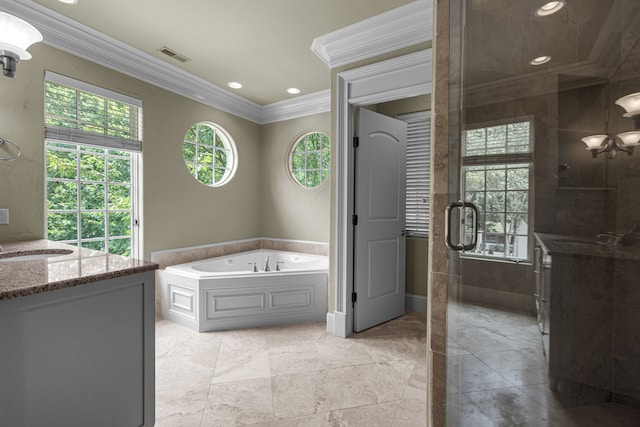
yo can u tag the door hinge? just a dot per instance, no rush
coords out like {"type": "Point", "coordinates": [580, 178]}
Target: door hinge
{"type": "Point", "coordinates": [356, 142]}
{"type": "Point", "coordinates": [354, 297]}
{"type": "Point", "coordinates": [354, 219]}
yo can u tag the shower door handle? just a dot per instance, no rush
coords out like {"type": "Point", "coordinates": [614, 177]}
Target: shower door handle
{"type": "Point", "coordinates": [462, 205]}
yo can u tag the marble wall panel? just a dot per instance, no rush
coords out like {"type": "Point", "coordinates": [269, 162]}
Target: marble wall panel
{"type": "Point", "coordinates": [436, 329]}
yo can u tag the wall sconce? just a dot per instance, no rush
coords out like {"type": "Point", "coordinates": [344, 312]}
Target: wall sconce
{"type": "Point", "coordinates": [15, 38]}
{"type": "Point", "coordinates": [625, 141]}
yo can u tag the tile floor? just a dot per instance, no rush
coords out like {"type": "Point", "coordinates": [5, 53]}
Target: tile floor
{"type": "Point", "coordinates": [295, 375]}
{"type": "Point", "coordinates": [497, 375]}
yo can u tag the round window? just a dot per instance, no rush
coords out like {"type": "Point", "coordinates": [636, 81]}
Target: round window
{"type": "Point", "coordinates": [311, 159]}
{"type": "Point", "coordinates": [209, 154]}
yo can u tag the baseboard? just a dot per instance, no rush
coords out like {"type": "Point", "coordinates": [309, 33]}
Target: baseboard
{"type": "Point", "coordinates": [510, 300]}
{"type": "Point", "coordinates": [331, 323]}
{"type": "Point", "coordinates": [416, 303]}
{"type": "Point", "coordinates": [342, 324]}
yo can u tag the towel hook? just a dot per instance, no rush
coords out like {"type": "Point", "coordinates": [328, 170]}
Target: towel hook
{"type": "Point", "coordinates": [3, 142]}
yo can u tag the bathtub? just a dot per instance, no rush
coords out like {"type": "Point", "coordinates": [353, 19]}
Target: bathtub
{"type": "Point", "coordinates": [225, 293]}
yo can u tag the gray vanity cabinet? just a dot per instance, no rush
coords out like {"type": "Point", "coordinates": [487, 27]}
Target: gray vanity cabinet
{"type": "Point", "coordinates": [80, 356]}
{"type": "Point", "coordinates": [543, 294]}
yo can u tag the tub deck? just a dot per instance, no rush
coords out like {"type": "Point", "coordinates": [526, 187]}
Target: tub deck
{"type": "Point", "coordinates": [201, 299]}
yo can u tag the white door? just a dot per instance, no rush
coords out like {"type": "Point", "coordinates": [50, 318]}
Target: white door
{"type": "Point", "coordinates": [379, 241]}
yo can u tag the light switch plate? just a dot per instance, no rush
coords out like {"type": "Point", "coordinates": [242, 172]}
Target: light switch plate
{"type": "Point", "coordinates": [4, 216]}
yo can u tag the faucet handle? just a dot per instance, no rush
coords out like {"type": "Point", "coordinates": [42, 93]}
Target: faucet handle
{"type": "Point", "coordinates": [278, 265]}
{"type": "Point", "coordinates": [254, 269]}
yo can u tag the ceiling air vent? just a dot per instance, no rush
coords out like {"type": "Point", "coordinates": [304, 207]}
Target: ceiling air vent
{"type": "Point", "coordinates": [172, 53]}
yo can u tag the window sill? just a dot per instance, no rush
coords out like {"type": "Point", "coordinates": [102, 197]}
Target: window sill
{"type": "Point", "coordinates": [525, 262]}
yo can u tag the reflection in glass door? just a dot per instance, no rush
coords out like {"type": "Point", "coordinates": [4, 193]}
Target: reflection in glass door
{"type": "Point", "coordinates": [543, 314]}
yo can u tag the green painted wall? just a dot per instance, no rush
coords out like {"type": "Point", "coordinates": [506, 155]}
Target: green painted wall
{"type": "Point", "coordinates": [178, 211]}
{"type": "Point", "coordinates": [288, 210]}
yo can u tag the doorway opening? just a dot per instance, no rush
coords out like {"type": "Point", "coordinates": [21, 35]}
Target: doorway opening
{"type": "Point", "coordinates": [389, 80]}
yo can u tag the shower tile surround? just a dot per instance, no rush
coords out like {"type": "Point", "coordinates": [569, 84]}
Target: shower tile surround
{"type": "Point", "coordinates": [578, 209]}
{"type": "Point", "coordinates": [176, 256]}
{"type": "Point", "coordinates": [497, 363]}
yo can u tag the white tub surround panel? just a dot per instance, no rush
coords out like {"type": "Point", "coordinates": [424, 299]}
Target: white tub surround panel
{"type": "Point", "coordinates": [225, 292]}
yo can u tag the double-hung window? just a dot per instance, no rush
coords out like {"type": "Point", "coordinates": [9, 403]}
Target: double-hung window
{"type": "Point", "coordinates": [418, 172]}
{"type": "Point", "coordinates": [497, 172]}
{"type": "Point", "coordinates": [93, 140]}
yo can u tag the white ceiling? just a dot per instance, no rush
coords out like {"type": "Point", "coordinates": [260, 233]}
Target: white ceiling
{"type": "Point", "coordinates": [263, 44]}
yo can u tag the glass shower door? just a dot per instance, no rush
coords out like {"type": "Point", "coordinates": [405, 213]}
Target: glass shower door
{"type": "Point", "coordinates": [543, 308]}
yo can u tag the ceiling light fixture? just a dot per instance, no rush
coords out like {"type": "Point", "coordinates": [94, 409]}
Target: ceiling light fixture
{"type": "Point", "coordinates": [234, 85]}
{"type": "Point", "coordinates": [68, 1]}
{"type": "Point", "coordinates": [631, 105]}
{"type": "Point", "coordinates": [540, 60]}
{"type": "Point", "coordinates": [293, 90]}
{"type": "Point", "coordinates": [16, 37]}
{"type": "Point", "coordinates": [625, 141]}
{"type": "Point", "coordinates": [549, 8]}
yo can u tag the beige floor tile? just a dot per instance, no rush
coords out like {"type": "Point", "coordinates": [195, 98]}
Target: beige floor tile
{"type": "Point", "coordinates": [469, 374]}
{"type": "Point", "coordinates": [316, 420]}
{"type": "Point", "coordinates": [313, 378]}
{"type": "Point", "coordinates": [519, 367]}
{"type": "Point", "coordinates": [297, 395]}
{"type": "Point", "coordinates": [181, 407]}
{"type": "Point", "coordinates": [411, 410]}
{"type": "Point", "coordinates": [237, 364]}
{"type": "Point", "coordinates": [386, 348]}
{"type": "Point", "coordinates": [295, 359]}
{"type": "Point", "coordinates": [284, 336]}
{"type": "Point", "coordinates": [243, 339]}
{"type": "Point", "coordinates": [180, 372]}
{"type": "Point", "coordinates": [339, 352]}
{"type": "Point", "coordinates": [378, 415]}
{"type": "Point", "coordinates": [239, 403]}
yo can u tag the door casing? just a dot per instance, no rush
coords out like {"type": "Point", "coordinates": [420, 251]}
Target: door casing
{"type": "Point", "coordinates": [397, 78]}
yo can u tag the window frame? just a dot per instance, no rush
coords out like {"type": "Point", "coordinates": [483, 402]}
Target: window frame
{"type": "Point", "coordinates": [103, 145]}
{"type": "Point", "coordinates": [291, 154]}
{"type": "Point", "coordinates": [507, 159]}
{"type": "Point", "coordinates": [79, 181]}
{"type": "Point", "coordinates": [230, 149]}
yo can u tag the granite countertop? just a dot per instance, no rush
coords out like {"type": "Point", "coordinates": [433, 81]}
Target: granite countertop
{"type": "Point", "coordinates": [558, 244]}
{"type": "Point", "coordinates": [81, 266]}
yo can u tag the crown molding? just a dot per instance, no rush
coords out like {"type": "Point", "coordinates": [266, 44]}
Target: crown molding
{"type": "Point", "coordinates": [392, 30]}
{"type": "Point", "coordinates": [306, 105]}
{"type": "Point", "coordinates": [77, 39]}
{"type": "Point", "coordinates": [392, 79]}
{"type": "Point", "coordinates": [396, 29]}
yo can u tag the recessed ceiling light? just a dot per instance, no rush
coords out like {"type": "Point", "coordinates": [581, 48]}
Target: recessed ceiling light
{"type": "Point", "coordinates": [293, 90]}
{"type": "Point", "coordinates": [540, 60]}
{"type": "Point", "coordinates": [68, 1]}
{"type": "Point", "coordinates": [234, 85]}
{"type": "Point", "coordinates": [550, 8]}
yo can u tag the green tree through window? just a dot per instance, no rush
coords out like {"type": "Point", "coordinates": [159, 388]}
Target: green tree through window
{"type": "Point", "coordinates": [90, 186]}
{"type": "Point", "coordinates": [497, 163]}
{"type": "Point", "coordinates": [311, 159]}
{"type": "Point", "coordinates": [209, 154]}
